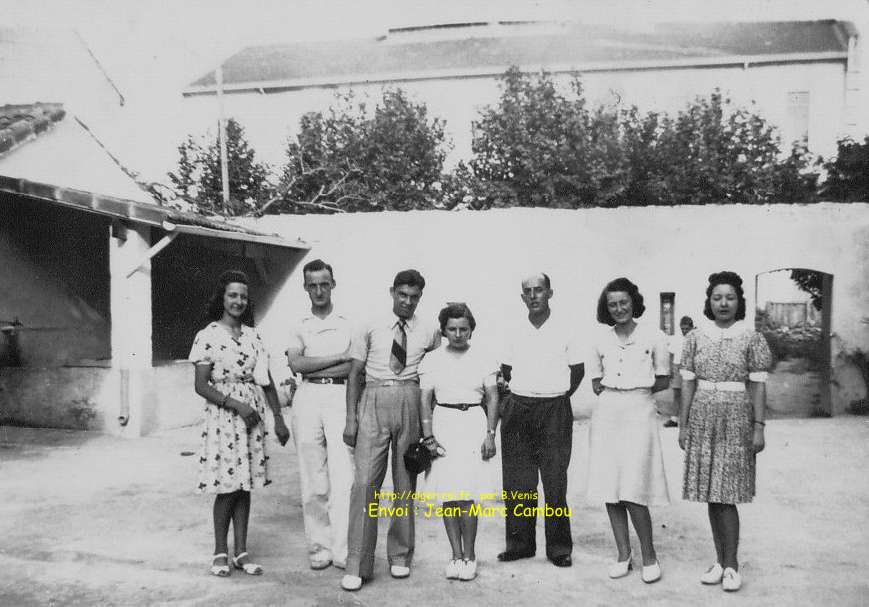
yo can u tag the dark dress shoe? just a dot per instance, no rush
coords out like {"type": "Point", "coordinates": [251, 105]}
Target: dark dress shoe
{"type": "Point", "coordinates": [562, 561]}
{"type": "Point", "coordinates": [508, 556]}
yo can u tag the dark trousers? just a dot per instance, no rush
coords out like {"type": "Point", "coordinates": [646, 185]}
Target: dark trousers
{"type": "Point", "coordinates": [536, 438]}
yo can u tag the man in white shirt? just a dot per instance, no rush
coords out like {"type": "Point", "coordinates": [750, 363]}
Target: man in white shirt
{"type": "Point", "coordinates": [319, 350]}
{"type": "Point", "coordinates": [543, 366]}
{"type": "Point", "coordinates": [674, 345]}
{"type": "Point", "coordinates": [384, 417]}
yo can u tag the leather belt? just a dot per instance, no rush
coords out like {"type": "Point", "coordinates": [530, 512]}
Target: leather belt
{"type": "Point", "coordinates": [326, 380]}
{"type": "Point", "coordinates": [391, 382]}
{"type": "Point", "coordinates": [459, 406]}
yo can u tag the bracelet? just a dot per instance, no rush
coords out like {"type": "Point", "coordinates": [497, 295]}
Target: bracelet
{"type": "Point", "coordinates": [490, 432]}
{"type": "Point", "coordinates": [761, 423]}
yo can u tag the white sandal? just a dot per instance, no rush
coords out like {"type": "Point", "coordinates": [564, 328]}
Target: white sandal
{"type": "Point", "coordinates": [220, 570]}
{"type": "Point", "coordinates": [248, 568]}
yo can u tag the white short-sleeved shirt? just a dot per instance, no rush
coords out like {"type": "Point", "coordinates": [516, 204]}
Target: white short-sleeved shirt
{"type": "Point", "coordinates": [373, 346]}
{"type": "Point", "coordinates": [674, 345]}
{"type": "Point", "coordinates": [631, 364]}
{"type": "Point", "coordinates": [541, 358]}
{"type": "Point", "coordinates": [458, 377]}
{"type": "Point", "coordinates": [315, 336]}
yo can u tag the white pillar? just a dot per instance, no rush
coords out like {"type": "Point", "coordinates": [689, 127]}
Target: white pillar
{"type": "Point", "coordinates": [131, 324]}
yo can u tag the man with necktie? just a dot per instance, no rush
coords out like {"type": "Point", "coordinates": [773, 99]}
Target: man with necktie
{"type": "Point", "coordinates": [385, 417]}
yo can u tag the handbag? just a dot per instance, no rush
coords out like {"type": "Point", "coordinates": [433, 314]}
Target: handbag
{"type": "Point", "coordinates": [417, 458]}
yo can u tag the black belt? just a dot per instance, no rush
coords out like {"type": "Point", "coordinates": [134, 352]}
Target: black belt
{"type": "Point", "coordinates": [459, 406]}
{"type": "Point", "coordinates": [326, 380]}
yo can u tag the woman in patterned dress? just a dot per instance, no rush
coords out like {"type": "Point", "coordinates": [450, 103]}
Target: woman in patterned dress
{"type": "Point", "coordinates": [232, 457]}
{"type": "Point", "coordinates": [721, 426]}
{"type": "Point", "coordinates": [629, 362]}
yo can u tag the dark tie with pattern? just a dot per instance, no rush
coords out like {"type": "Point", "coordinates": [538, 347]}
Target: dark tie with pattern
{"type": "Point", "coordinates": [398, 357]}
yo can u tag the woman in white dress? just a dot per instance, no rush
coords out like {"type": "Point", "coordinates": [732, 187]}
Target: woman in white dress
{"type": "Point", "coordinates": [628, 363]}
{"type": "Point", "coordinates": [454, 381]}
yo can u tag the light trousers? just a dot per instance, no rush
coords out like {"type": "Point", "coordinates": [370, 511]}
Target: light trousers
{"type": "Point", "coordinates": [388, 420]}
{"type": "Point", "coordinates": [325, 469]}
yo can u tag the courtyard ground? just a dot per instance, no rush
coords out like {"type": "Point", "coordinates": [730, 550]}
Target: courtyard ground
{"type": "Point", "coordinates": [90, 519]}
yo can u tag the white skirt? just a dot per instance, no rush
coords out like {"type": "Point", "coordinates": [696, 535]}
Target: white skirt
{"type": "Point", "coordinates": [625, 462]}
{"type": "Point", "coordinates": [462, 474]}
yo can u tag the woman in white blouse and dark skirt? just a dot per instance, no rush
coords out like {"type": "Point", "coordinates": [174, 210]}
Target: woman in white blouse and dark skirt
{"type": "Point", "coordinates": [629, 362]}
{"type": "Point", "coordinates": [458, 378]}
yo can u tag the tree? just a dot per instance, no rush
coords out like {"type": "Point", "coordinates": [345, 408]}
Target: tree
{"type": "Point", "coordinates": [350, 159]}
{"type": "Point", "coordinates": [848, 173]}
{"type": "Point", "coordinates": [812, 283]}
{"type": "Point", "coordinates": [539, 147]}
{"type": "Point", "coordinates": [720, 153]}
{"type": "Point", "coordinates": [198, 178]}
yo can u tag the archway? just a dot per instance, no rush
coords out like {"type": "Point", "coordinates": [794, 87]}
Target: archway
{"type": "Point", "coordinates": [794, 312]}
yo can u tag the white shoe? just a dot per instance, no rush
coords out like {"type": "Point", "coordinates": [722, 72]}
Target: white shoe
{"type": "Point", "coordinates": [620, 568]}
{"type": "Point", "coordinates": [731, 581]}
{"type": "Point", "coordinates": [712, 575]}
{"type": "Point", "coordinates": [652, 573]}
{"type": "Point", "coordinates": [351, 582]}
{"type": "Point", "coordinates": [468, 571]}
{"type": "Point", "coordinates": [453, 569]}
{"type": "Point", "coordinates": [399, 571]}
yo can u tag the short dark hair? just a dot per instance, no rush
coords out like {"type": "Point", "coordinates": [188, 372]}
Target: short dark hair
{"type": "Point", "coordinates": [410, 278]}
{"type": "Point", "coordinates": [619, 284]}
{"type": "Point", "coordinates": [455, 310]}
{"type": "Point", "coordinates": [725, 277]}
{"type": "Point", "coordinates": [686, 320]}
{"type": "Point", "coordinates": [214, 311]}
{"type": "Point", "coordinates": [317, 265]}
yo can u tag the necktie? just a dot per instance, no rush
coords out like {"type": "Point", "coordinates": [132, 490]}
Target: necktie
{"type": "Point", "coordinates": [398, 357]}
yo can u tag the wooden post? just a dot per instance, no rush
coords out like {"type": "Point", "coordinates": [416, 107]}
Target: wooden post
{"type": "Point", "coordinates": [826, 404]}
{"type": "Point", "coordinates": [221, 136]}
{"type": "Point", "coordinates": [131, 322]}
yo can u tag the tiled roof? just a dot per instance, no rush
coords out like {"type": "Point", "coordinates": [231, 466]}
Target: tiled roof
{"type": "Point", "coordinates": [21, 122]}
{"type": "Point", "coordinates": [407, 51]}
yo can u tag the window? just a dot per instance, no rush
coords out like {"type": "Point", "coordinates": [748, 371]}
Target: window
{"type": "Point", "coordinates": [797, 127]}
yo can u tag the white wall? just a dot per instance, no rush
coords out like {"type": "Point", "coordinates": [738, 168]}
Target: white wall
{"type": "Point", "coordinates": [481, 257]}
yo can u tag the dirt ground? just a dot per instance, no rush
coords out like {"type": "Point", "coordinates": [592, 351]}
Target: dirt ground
{"type": "Point", "coordinates": [88, 519]}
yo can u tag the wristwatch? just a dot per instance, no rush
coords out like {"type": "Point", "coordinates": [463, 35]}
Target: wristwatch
{"type": "Point", "coordinates": [490, 432]}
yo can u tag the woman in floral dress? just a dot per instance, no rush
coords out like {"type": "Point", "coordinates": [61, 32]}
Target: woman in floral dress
{"type": "Point", "coordinates": [721, 426]}
{"type": "Point", "coordinates": [232, 458]}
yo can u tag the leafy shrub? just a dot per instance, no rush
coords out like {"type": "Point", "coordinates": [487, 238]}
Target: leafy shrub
{"type": "Point", "coordinates": [198, 178]}
{"type": "Point", "coordinates": [351, 160]}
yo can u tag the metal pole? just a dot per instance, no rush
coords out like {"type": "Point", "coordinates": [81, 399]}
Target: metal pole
{"type": "Point", "coordinates": [221, 129]}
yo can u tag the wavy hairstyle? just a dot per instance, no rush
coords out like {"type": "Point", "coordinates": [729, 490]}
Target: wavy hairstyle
{"type": "Point", "coordinates": [725, 278]}
{"type": "Point", "coordinates": [214, 311]}
{"type": "Point", "coordinates": [619, 284]}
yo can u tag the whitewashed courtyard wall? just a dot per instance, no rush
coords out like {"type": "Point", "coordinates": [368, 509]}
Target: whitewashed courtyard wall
{"type": "Point", "coordinates": [480, 258]}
